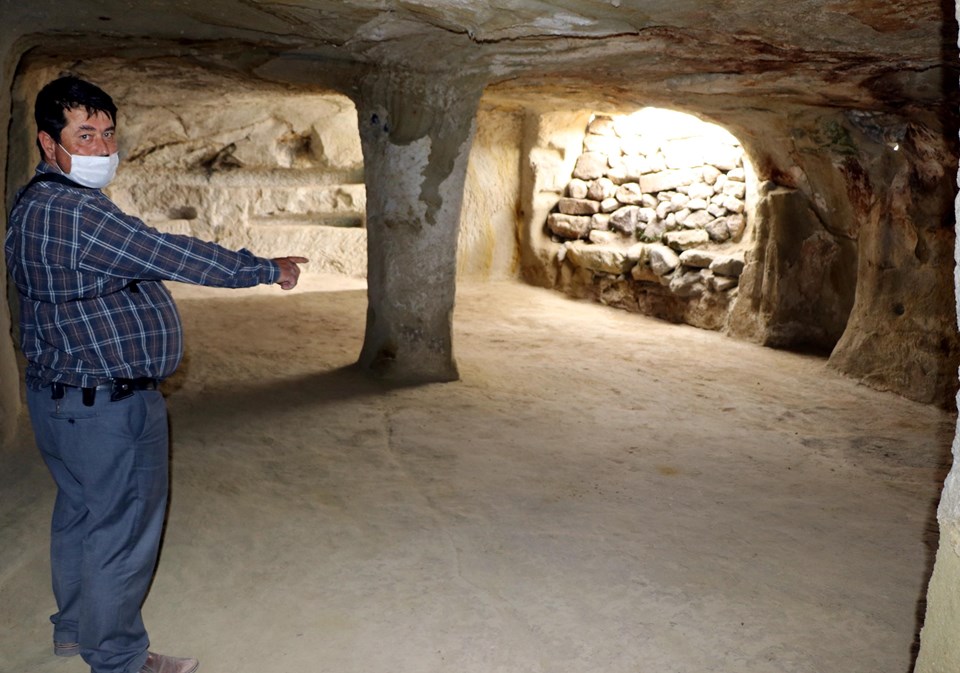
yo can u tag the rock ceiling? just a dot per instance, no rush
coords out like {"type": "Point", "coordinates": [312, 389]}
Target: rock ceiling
{"type": "Point", "coordinates": [868, 54]}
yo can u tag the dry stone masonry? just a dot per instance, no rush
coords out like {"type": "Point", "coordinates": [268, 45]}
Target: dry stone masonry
{"type": "Point", "coordinates": [656, 205]}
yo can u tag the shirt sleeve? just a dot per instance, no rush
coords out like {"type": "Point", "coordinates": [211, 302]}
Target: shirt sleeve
{"type": "Point", "coordinates": [116, 244]}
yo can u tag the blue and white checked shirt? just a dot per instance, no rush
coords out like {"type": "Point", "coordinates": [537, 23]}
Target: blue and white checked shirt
{"type": "Point", "coordinates": [72, 255]}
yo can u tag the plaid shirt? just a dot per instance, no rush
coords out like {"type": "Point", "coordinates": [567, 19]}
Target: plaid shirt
{"type": "Point", "coordinates": [73, 255]}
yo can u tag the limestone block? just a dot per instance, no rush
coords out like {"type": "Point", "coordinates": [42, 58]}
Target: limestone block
{"type": "Point", "coordinates": [664, 208]}
{"type": "Point", "coordinates": [632, 145]}
{"type": "Point", "coordinates": [687, 284]}
{"type": "Point", "coordinates": [272, 198]}
{"type": "Point", "coordinates": [334, 140]}
{"type": "Point", "coordinates": [629, 194]}
{"type": "Point", "coordinates": [736, 224]}
{"type": "Point", "coordinates": [643, 273]}
{"type": "Point", "coordinates": [338, 250]}
{"type": "Point", "coordinates": [657, 162]}
{"type": "Point", "coordinates": [646, 215]}
{"type": "Point", "coordinates": [717, 210]}
{"type": "Point", "coordinates": [600, 221]}
{"type": "Point", "coordinates": [637, 253]}
{"type": "Point", "coordinates": [639, 144]}
{"type": "Point", "coordinates": [624, 219]}
{"type": "Point", "coordinates": [654, 230]}
{"type": "Point", "coordinates": [590, 166]}
{"type": "Point", "coordinates": [601, 188]}
{"type": "Point", "coordinates": [599, 258]}
{"type": "Point", "coordinates": [662, 259]}
{"type": "Point", "coordinates": [635, 166]}
{"type": "Point", "coordinates": [671, 221]}
{"type": "Point", "coordinates": [697, 190]}
{"type": "Point", "coordinates": [681, 216]}
{"type": "Point", "coordinates": [719, 183]}
{"type": "Point", "coordinates": [722, 156]}
{"type": "Point", "coordinates": [737, 174]}
{"type": "Point", "coordinates": [569, 206]}
{"type": "Point", "coordinates": [683, 240]}
{"type": "Point", "coordinates": [697, 204]}
{"type": "Point", "coordinates": [728, 265]}
{"type": "Point", "coordinates": [577, 189]}
{"type": "Point", "coordinates": [718, 199]}
{"type": "Point", "coordinates": [602, 237]}
{"type": "Point", "coordinates": [649, 201]}
{"type": "Point", "coordinates": [684, 153]}
{"type": "Point", "coordinates": [609, 146]}
{"type": "Point", "coordinates": [609, 205]}
{"type": "Point", "coordinates": [710, 174]}
{"type": "Point", "coordinates": [722, 283]}
{"type": "Point", "coordinates": [735, 189]}
{"type": "Point", "coordinates": [733, 204]}
{"type": "Point", "coordinates": [698, 219]}
{"type": "Point", "coordinates": [617, 174]}
{"type": "Point", "coordinates": [718, 230]}
{"type": "Point", "coordinates": [701, 259]}
{"type": "Point", "coordinates": [679, 200]}
{"type": "Point", "coordinates": [602, 125]}
{"type": "Point", "coordinates": [663, 180]}
{"type": "Point", "coordinates": [568, 226]}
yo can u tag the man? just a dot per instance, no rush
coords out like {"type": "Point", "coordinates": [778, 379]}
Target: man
{"type": "Point", "coordinates": [99, 330]}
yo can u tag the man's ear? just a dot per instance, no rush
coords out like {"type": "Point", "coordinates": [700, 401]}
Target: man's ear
{"type": "Point", "coordinates": [49, 146]}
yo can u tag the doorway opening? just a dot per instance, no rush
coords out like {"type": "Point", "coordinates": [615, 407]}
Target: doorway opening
{"type": "Point", "coordinates": [656, 214]}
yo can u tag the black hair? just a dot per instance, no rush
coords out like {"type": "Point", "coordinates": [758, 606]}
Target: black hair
{"type": "Point", "coordinates": [69, 93]}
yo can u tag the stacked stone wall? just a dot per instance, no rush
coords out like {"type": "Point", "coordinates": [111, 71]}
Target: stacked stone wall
{"type": "Point", "coordinates": [664, 211]}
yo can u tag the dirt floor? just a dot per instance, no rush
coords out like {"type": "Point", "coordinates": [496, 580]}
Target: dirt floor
{"type": "Point", "coordinates": [599, 492]}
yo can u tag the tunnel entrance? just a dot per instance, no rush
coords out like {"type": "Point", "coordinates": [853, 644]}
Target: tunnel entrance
{"type": "Point", "coordinates": [654, 215]}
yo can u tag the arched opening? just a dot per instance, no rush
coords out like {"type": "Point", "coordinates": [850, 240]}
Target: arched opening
{"type": "Point", "coordinates": [654, 217]}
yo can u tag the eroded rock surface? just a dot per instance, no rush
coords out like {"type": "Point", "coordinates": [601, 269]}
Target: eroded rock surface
{"type": "Point", "coordinates": [846, 112]}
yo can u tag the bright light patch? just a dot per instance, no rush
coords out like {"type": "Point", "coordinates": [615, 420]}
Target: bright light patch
{"type": "Point", "coordinates": [662, 124]}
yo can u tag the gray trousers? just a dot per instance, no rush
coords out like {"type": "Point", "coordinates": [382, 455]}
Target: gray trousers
{"type": "Point", "coordinates": [110, 464]}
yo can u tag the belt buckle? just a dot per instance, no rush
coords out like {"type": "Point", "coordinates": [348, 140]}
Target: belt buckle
{"type": "Point", "coordinates": [122, 389]}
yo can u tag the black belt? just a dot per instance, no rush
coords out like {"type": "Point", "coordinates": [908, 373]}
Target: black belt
{"type": "Point", "coordinates": [119, 389]}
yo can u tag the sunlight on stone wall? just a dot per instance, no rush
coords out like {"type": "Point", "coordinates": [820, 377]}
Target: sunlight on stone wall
{"type": "Point", "coordinates": [656, 203]}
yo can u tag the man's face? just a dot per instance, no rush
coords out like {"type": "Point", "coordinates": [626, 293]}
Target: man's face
{"type": "Point", "coordinates": [86, 135]}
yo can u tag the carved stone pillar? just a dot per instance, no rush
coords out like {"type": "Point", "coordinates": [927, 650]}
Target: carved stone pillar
{"type": "Point", "coordinates": [416, 133]}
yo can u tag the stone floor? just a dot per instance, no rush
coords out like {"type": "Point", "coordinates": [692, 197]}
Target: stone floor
{"type": "Point", "coordinates": [600, 492]}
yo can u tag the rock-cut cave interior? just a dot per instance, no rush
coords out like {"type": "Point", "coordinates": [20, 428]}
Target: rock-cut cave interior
{"type": "Point", "coordinates": [628, 340]}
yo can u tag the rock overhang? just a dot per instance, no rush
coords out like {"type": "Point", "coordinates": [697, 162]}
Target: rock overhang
{"type": "Point", "coordinates": [860, 54]}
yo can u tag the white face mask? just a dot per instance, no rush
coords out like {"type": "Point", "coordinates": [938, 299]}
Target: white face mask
{"type": "Point", "coordinates": [95, 172]}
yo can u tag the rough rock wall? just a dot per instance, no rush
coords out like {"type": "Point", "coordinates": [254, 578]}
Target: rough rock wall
{"type": "Point", "coordinates": [848, 253]}
{"type": "Point", "coordinates": [489, 219]}
{"type": "Point", "coordinates": [905, 291]}
{"type": "Point", "coordinates": [856, 254]}
{"type": "Point", "coordinates": [10, 404]}
{"type": "Point", "coordinates": [274, 170]}
{"type": "Point", "coordinates": [799, 280]}
{"type": "Point", "coordinates": [278, 170]}
{"type": "Point", "coordinates": [939, 652]}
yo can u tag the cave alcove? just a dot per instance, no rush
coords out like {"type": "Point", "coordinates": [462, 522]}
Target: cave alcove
{"type": "Point", "coordinates": [853, 149]}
